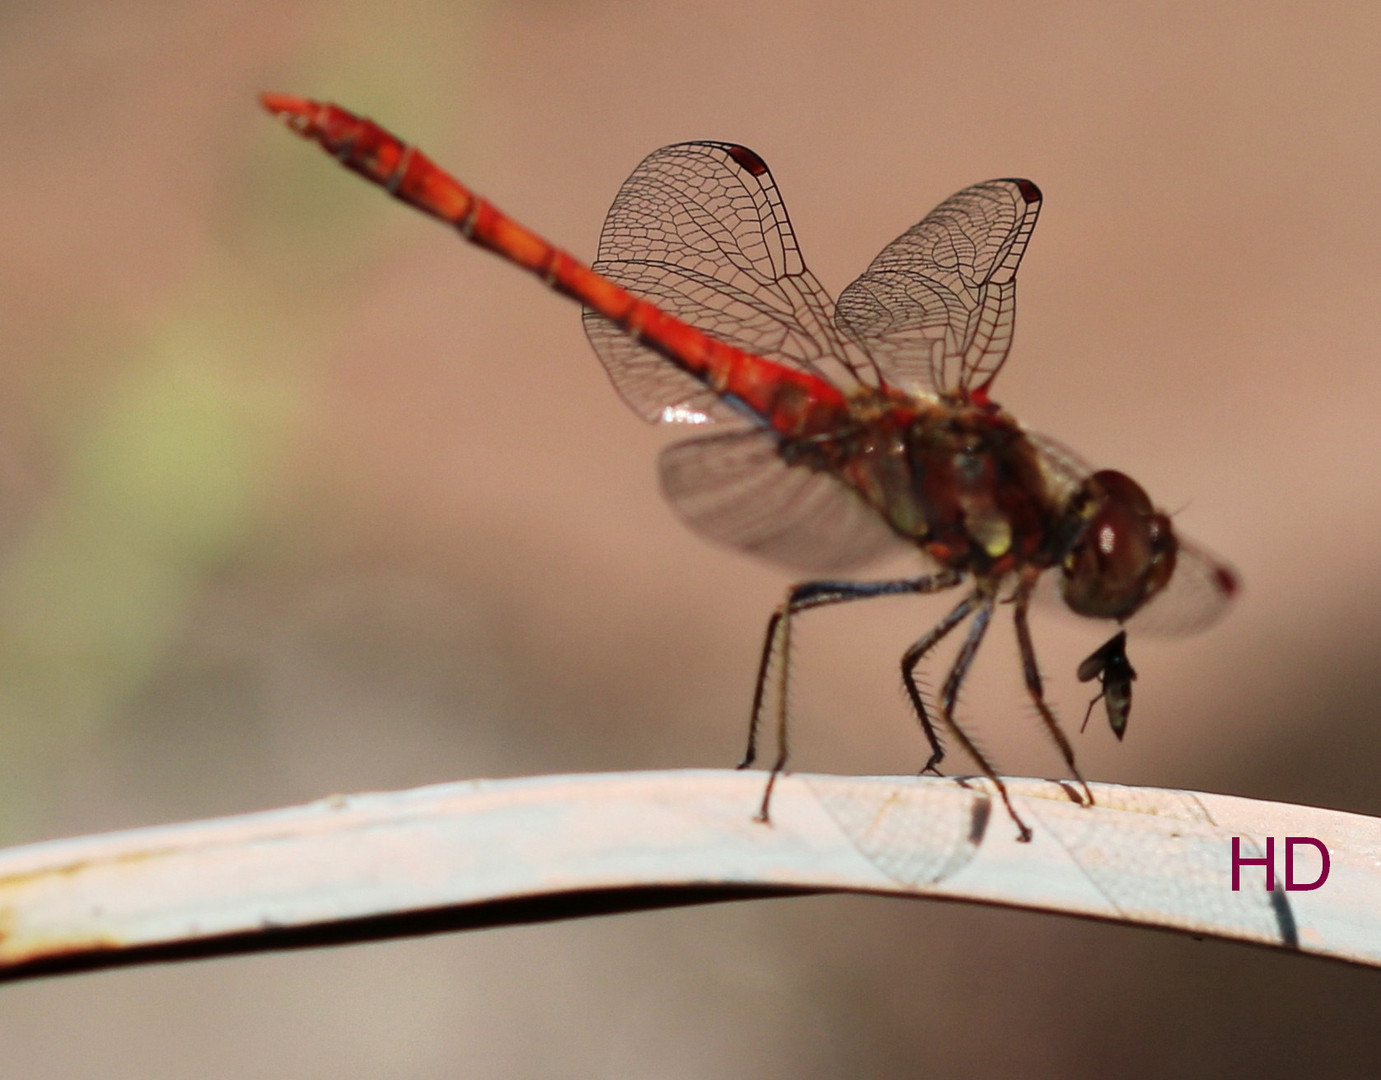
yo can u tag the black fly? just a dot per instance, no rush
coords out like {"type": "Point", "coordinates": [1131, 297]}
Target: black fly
{"type": "Point", "coordinates": [1109, 665]}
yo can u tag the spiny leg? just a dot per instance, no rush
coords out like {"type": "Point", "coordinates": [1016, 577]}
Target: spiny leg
{"type": "Point", "coordinates": [913, 657]}
{"type": "Point", "coordinates": [1031, 673]}
{"type": "Point", "coordinates": [803, 597]}
{"type": "Point", "coordinates": [949, 696]}
{"type": "Point", "coordinates": [813, 594]}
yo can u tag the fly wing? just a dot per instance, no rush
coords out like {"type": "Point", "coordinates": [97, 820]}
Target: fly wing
{"type": "Point", "coordinates": [737, 489]}
{"type": "Point", "coordinates": [700, 231]}
{"type": "Point", "coordinates": [935, 308]}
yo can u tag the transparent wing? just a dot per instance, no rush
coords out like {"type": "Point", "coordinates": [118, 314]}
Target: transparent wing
{"type": "Point", "coordinates": [1199, 590]}
{"type": "Point", "coordinates": [1063, 469]}
{"type": "Point", "coordinates": [1195, 597]}
{"type": "Point", "coordinates": [935, 308]}
{"type": "Point", "coordinates": [737, 489]}
{"type": "Point", "coordinates": [700, 230]}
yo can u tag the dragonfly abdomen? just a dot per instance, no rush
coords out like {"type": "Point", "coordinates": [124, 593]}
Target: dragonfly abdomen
{"type": "Point", "coordinates": [790, 401]}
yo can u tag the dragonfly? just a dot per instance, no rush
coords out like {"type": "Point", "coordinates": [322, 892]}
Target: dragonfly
{"type": "Point", "coordinates": [838, 432]}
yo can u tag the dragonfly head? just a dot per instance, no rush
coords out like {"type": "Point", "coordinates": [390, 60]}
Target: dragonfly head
{"type": "Point", "coordinates": [1124, 552]}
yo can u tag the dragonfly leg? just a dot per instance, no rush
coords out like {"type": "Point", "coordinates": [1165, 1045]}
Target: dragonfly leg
{"type": "Point", "coordinates": [1031, 673]}
{"type": "Point", "coordinates": [912, 658]}
{"type": "Point", "coordinates": [777, 642]}
{"type": "Point", "coordinates": [950, 695]}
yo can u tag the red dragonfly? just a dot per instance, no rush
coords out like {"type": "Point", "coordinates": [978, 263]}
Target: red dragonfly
{"type": "Point", "coordinates": [843, 430]}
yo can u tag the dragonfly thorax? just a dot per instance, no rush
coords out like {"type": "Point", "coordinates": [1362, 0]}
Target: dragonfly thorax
{"type": "Point", "coordinates": [962, 481]}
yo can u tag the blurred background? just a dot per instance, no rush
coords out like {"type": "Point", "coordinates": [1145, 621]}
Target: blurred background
{"type": "Point", "coordinates": [300, 495]}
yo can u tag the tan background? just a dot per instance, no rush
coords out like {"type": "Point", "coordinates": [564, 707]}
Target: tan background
{"type": "Point", "coordinates": [303, 496]}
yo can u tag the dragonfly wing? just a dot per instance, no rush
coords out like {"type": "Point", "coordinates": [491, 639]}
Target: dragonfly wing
{"type": "Point", "coordinates": [935, 308]}
{"type": "Point", "coordinates": [1195, 597]}
{"type": "Point", "coordinates": [735, 488]}
{"type": "Point", "coordinates": [700, 231]}
{"type": "Point", "coordinates": [1197, 593]}
{"type": "Point", "coordinates": [1062, 468]}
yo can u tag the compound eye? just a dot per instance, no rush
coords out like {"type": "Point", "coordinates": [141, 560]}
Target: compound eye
{"type": "Point", "coordinates": [1125, 553]}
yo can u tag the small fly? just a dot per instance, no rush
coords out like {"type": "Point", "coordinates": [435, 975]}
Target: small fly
{"type": "Point", "coordinates": [1110, 666]}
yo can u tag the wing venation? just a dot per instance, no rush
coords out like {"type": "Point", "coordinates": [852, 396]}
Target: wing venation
{"type": "Point", "coordinates": [700, 230]}
{"type": "Point", "coordinates": [735, 488]}
{"type": "Point", "coordinates": [935, 310]}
